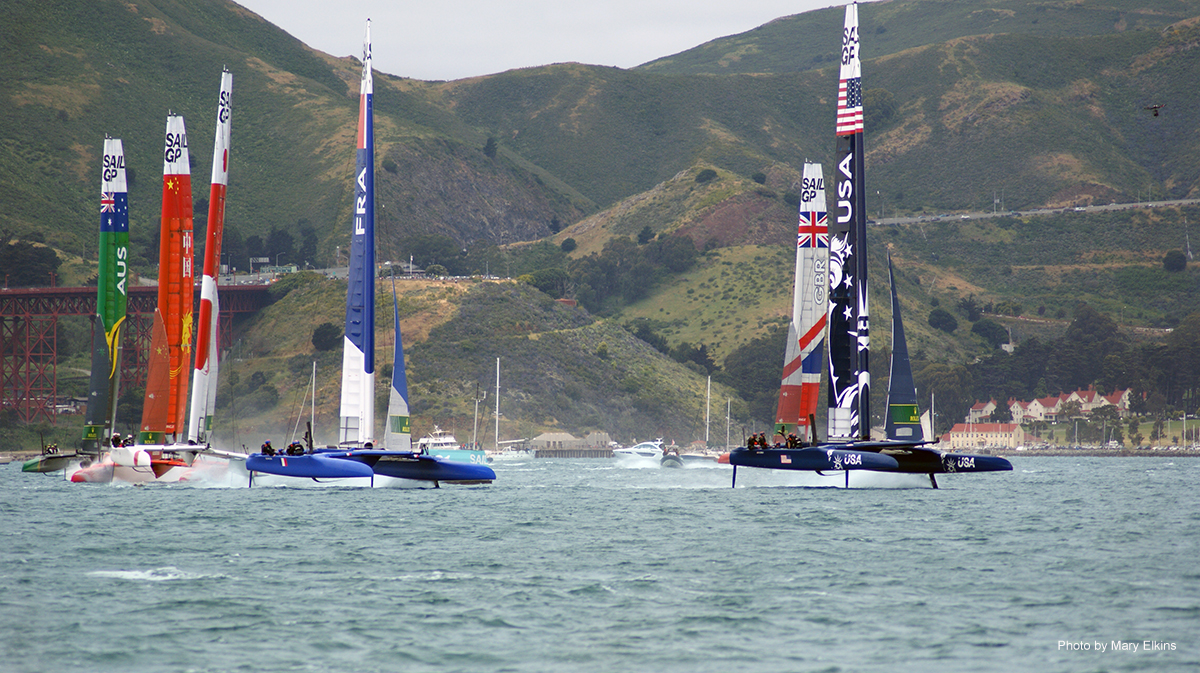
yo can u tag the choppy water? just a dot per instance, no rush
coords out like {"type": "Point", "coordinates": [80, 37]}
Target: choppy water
{"type": "Point", "coordinates": [580, 565]}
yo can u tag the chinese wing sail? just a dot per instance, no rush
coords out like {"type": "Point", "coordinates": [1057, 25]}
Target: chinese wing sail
{"type": "Point", "coordinates": [799, 391]}
{"type": "Point", "coordinates": [111, 298]}
{"type": "Point", "coordinates": [171, 343]}
{"type": "Point", "coordinates": [357, 424]}
{"type": "Point", "coordinates": [903, 418]}
{"type": "Point", "coordinates": [398, 436]}
{"type": "Point", "coordinates": [849, 334]}
{"type": "Point", "coordinates": [204, 374]}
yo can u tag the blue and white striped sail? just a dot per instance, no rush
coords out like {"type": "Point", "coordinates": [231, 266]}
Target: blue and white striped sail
{"type": "Point", "coordinates": [357, 425]}
{"type": "Point", "coordinates": [398, 434]}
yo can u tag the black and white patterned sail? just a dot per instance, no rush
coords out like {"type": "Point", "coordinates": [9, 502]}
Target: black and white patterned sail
{"type": "Point", "coordinates": [849, 334]}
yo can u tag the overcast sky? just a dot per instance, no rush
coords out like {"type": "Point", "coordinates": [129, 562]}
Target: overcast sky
{"type": "Point", "coordinates": [453, 39]}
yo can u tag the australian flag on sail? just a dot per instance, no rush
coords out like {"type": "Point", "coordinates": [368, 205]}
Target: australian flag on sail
{"type": "Point", "coordinates": [114, 212]}
{"type": "Point", "coordinates": [850, 106]}
{"type": "Point", "coordinates": [814, 230]}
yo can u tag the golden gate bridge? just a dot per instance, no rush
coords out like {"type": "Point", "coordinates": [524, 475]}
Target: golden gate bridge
{"type": "Point", "coordinates": [29, 338]}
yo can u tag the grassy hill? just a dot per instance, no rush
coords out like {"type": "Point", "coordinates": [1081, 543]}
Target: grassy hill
{"type": "Point", "coordinates": [560, 368]}
{"type": "Point", "coordinates": [1039, 103]}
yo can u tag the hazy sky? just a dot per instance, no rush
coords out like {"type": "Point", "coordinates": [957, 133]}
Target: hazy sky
{"type": "Point", "coordinates": [453, 39]}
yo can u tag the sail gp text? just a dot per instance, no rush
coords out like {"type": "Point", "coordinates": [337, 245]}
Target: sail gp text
{"type": "Point", "coordinates": [1116, 646]}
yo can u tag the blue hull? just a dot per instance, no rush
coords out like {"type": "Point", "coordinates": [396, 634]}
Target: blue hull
{"type": "Point", "coordinates": [951, 463]}
{"type": "Point", "coordinates": [367, 463]}
{"type": "Point", "coordinates": [814, 459]}
{"type": "Point", "coordinates": [461, 455]}
{"type": "Point", "coordinates": [310, 466]}
{"type": "Point", "coordinates": [428, 468]}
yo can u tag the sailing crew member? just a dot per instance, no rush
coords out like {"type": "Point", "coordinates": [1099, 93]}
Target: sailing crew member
{"type": "Point", "coordinates": [267, 449]}
{"type": "Point", "coordinates": [115, 440]}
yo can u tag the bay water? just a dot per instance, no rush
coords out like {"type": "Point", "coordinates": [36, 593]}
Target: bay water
{"type": "Point", "coordinates": [1064, 564]}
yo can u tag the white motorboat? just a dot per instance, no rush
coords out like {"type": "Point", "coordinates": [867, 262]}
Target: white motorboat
{"type": "Point", "coordinates": [644, 450]}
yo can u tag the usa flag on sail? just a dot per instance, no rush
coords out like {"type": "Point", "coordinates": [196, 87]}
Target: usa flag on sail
{"type": "Point", "coordinates": [850, 102]}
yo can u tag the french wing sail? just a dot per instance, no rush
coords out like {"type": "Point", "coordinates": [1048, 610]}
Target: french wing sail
{"type": "Point", "coordinates": [800, 389]}
{"type": "Point", "coordinates": [204, 373]}
{"type": "Point", "coordinates": [399, 424]}
{"type": "Point", "coordinates": [171, 343]}
{"type": "Point", "coordinates": [849, 334]}
{"type": "Point", "coordinates": [903, 418]}
{"type": "Point", "coordinates": [357, 424]}
{"type": "Point", "coordinates": [112, 298]}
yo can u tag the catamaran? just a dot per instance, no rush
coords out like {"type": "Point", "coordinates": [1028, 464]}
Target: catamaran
{"type": "Point", "coordinates": [847, 322]}
{"type": "Point", "coordinates": [112, 287]}
{"type": "Point", "coordinates": [355, 456]}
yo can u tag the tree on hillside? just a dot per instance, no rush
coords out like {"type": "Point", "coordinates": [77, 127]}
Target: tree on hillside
{"type": "Point", "coordinates": [940, 318]}
{"type": "Point", "coordinates": [645, 235]}
{"type": "Point", "coordinates": [991, 331]}
{"type": "Point", "coordinates": [569, 245]}
{"type": "Point", "coordinates": [326, 336]}
{"type": "Point", "coordinates": [1174, 261]}
{"type": "Point", "coordinates": [970, 307]}
{"type": "Point", "coordinates": [26, 264]}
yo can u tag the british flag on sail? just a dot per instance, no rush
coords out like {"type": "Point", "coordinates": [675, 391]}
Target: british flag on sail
{"type": "Point", "coordinates": [799, 390]}
{"type": "Point", "coordinates": [849, 334]}
{"type": "Point", "coordinates": [357, 424]}
{"type": "Point", "coordinates": [204, 374]}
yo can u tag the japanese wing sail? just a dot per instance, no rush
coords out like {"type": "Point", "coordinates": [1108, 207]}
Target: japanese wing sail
{"type": "Point", "coordinates": [799, 391]}
{"type": "Point", "coordinates": [357, 424]}
{"type": "Point", "coordinates": [204, 373]}
{"type": "Point", "coordinates": [849, 334]}
{"type": "Point", "coordinates": [112, 289]}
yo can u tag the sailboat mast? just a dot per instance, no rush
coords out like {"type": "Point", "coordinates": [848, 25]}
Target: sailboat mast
{"type": "Point", "coordinates": [167, 380]}
{"type": "Point", "coordinates": [357, 423]}
{"type": "Point", "coordinates": [497, 404]}
{"type": "Point", "coordinates": [903, 420]}
{"type": "Point", "coordinates": [707, 410]}
{"type": "Point", "coordinates": [849, 335]}
{"type": "Point", "coordinates": [204, 375]}
{"type": "Point", "coordinates": [399, 424]}
{"type": "Point", "coordinates": [800, 388]}
{"type": "Point", "coordinates": [111, 298]}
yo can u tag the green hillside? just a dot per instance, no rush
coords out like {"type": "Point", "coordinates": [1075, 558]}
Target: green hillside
{"type": "Point", "coordinates": [560, 368]}
{"type": "Point", "coordinates": [787, 44]}
{"type": "Point", "coordinates": [1038, 103]}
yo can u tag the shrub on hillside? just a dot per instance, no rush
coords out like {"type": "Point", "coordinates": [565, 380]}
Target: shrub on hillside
{"type": "Point", "coordinates": [326, 336]}
{"type": "Point", "coordinates": [940, 318]}
{"type": "Point", "coordinates": [1175, 261]}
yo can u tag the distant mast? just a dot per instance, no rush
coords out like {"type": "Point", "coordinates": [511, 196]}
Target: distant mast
{"type": "Point", "coordinates": [171, 340]}
{"type": "Point", "coordinates": [112, 288]}
{"type": "Point", "coordinates": [399, 422]}
{"type": "Point", "coordinates": [204, 376]}
{"type": "Point", "coordinates": [849, 334]}
{"type": "Point", "coordinates": [357, 424]}
{"type": "Point", "coordinates": [799, 391]}
{"type": "Point", "coordinates": [903, 420]}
